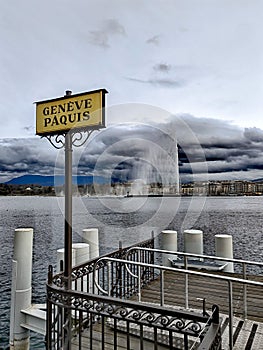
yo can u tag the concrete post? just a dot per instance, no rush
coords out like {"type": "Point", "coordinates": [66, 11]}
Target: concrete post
{"type": "Point", "coordinates": [193, 242]}
{"type": "Point", "coordinates": [224, 249]}
{"type": "Point", "coordinates": [169, 242]}
{"type": "Point", "coordinates": [91, 236]}
{"type": "Point", "coordinates": [80, 254]}
{"type": "Point", "coordinates": [21, 287]}
{"type": "Point", "coordinates": [61, 260]}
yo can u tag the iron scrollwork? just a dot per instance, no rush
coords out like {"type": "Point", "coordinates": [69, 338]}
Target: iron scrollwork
{"type": "Point", "coordinates": [138, 314]}
{"type": "Point", "coordinates": [78, 138]}
{"type": "Point", "coordinates": [57, 141]}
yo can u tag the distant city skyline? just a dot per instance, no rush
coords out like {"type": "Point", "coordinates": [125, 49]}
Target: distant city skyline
{"type": "Point", "coordinates": [86, 186]}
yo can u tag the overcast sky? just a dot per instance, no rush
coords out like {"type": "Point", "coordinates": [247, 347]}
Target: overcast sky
{"type": "Point", "coordinates": [199, 60]}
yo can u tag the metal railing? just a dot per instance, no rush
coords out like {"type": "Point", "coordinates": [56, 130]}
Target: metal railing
{"type": "Point", "coordinates": [245, 281]}
{"type": "Point", "coordinates": [162, 269]}
{"type": "Point", "coordinates": [103, 318]}
{"type": "Point", "coordinates": [186, 256]}
{"type": "Point", "coordinates": [85, 307]}
{"type": "Point", "coordinates": [79, 275]}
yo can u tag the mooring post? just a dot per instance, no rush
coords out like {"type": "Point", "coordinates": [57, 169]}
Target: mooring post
{"type": "Point", "coordinates": [21, 291]}
{"type": "Point", "coordinates": [224, 249]}
{"type": "Point", "coordinates": [193, 242]}
{"type": "Point", "coordinates": [169, 242]}
{"type": "Point", "coordinates": [91, 236]}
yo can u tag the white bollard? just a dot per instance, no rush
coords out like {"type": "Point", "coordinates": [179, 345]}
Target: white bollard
{"type": "Point", "coordinates": [21, 287]}
{"type": "Point", "coordinates": [224, 249]}
{"type": "Point", "coordinates": [91, 236]}
{"type": "Point", "coordinates": [80, 254]}
{"type": "Point", "coordinates": [193, 242]}
{"type": "Point", "coordinates": [169, 242]}
{"type": "Point", "coordinates": [60, 259]}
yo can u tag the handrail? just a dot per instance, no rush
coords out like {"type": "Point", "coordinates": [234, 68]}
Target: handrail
{"type": "Point", "coordinates": [227, 279]}
{"type": "Point", "coordinates": [211, 257]}
{"type": "Point", "coordinates": [189, 272]}
{"type": "Point", "coordinates": [62, 279]}
{"type": "Point", "coordinates": [178, 320]}
{"type": "Point", "coordinates": [244, 264]}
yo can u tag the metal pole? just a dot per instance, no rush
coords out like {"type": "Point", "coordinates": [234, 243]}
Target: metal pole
{"type": "Point", "coordinates": [244, 292]}
{"type": "Point", "coordinates": [230, 308]}
{"type": "Point", "coordinates": [139, 278]}
{"type": "Point", "coordinates": [162, 287]}
{"type": "Point", "coordinates": [68, 209]}
{"type": "Point", "coordinates": [186, 283]}
{"type": "Point", "coordinates": [109, 270]}
{"type": "Point", "coordinates": [68, 230]}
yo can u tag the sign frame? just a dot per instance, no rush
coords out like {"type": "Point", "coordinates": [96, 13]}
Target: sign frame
{"type": "Point", "coordinates": [89, 112]}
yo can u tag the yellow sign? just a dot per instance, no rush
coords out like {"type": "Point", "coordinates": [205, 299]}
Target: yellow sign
{"type": "Point", "coordinates": [80, 111]}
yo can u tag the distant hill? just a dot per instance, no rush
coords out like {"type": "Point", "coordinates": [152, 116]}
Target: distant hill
{"type": "Point", "coordinates": [258, 180]}
{"type": "Point", "coordinates": [56, 180]}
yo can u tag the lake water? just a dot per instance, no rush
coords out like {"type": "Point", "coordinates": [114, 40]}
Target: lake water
{"type": "Point", "coordinates": [129, 220]}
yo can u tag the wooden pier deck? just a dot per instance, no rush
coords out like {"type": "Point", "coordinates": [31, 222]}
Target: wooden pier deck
{"type": "Point", "coordinates": [248, 334]}
{"type": "Point", "coordinates": [214, 291]}
{"type": "Point", "coordinates": [109, 341]}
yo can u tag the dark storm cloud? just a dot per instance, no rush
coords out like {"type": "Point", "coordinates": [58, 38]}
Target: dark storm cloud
{"type": "Point", "coordinates": [229, 150]}
{"type": "Point", "coordinates": [25, 156]}
{"type": "Point", "coordinates": [125, 151]}
{"type": "Point", "coordinates": [118, 144]}
{"type": "Point", "coordinates": [254, 134]}
{"type": "Point", "coordinates": [208, 149]}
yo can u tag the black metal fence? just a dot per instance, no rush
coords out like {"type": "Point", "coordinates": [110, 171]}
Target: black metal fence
{"type": "Point", "coordinates": [85, 318]}
{"type": "Point", "coordinates": [122, 283]}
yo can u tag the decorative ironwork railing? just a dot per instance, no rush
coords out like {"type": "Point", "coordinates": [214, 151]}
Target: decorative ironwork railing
{"type": "Point", "coordinates": [104, 317]}
{"type": "Point", "coordinates": [82, 317]}
{"type": "Point", "coordinates": [122, 283]}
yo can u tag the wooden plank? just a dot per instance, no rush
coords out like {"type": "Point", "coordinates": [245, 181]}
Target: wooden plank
{"type": "Point", "coordinates": [109, 343]}
{"type": "Point", "coordinates": [214, 291]}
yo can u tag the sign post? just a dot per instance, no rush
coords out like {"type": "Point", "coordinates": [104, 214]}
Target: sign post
{"type": "Point", "coordinates": [66, 122]}
{"type": "Point", "coordinates": [68, 209]}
